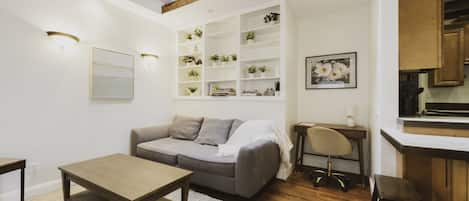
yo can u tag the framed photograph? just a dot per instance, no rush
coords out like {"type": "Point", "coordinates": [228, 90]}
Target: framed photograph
{"type": "Point", "coordinates": [334, 71]}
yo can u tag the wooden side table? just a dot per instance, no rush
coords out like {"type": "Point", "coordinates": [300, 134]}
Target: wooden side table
{"type": "Point", "coordinates": [10, 165]}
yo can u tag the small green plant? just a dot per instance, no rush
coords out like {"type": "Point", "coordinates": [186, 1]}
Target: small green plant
{"type": "Point", "coordinates": [215, 58]}
{"type": "Point", "coordinates": [188, 59]}
{"type": "Point", "coordinates": [192, 89]}
{"type": "Point", "coordinates": [198, 32]}
{"type": "Point", "coordinates": [193, 74]}
{"type": "Point", "coordinates": [188, 36]}
{"type": "Point", "coordinates": [234, 57]}
{"type": "Point", "coordinates": [251, 35]}
{"type": "Point", "coordinates": [252, 69]}
{"type": "Point", "coordinates": [263, 69]}
{"type": "Point", "coordinates": [225, 58]}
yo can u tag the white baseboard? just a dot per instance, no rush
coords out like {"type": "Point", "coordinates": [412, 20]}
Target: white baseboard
{"type": "Point", "coordinates": [32, 191]}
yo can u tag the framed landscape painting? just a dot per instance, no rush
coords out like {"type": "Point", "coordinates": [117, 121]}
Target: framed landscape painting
{"type": "Point", "coordinates": [334, 71]}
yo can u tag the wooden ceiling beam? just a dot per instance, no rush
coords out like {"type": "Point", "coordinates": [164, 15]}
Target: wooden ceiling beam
{"type": "Point", "coordinates": [175, 5]}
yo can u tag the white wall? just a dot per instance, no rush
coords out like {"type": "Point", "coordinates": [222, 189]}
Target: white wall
{"type": "Point", "coordinates": [344, 30]}
{"type": "Point", "coordinates": [385, 82]}
{"type": "Point", "coordinates": [46, 114]}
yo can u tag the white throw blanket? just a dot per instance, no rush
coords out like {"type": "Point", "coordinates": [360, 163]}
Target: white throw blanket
{"type": "Point", "coordinates": [253, 130]}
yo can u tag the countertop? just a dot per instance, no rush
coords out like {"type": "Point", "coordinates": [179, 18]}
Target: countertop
{"type": "Point", "coordinates": [436, 146]}
{"type": "Point", "coordinates": [436, 119]}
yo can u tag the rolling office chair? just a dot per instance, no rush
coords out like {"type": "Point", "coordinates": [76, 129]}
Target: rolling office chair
{"type": "Point", "coordinates": [331, 143]}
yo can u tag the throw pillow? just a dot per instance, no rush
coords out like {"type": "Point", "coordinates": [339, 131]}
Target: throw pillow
{"type": "Point", "coordinates": [235, 126]}
{"type": "Point", "coordinates": [185, 128]}
{"type": "Point", "coordinates": [214, 131]}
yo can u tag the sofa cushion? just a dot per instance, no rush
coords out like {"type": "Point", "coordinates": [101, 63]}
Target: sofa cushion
{"type": "Point", "coordinates": [163, 150]}
{"type": "Point", "coordinates": [185, 127]}
{"type": "Point", "coordinates": [214, 131]}
{"type": "Point", "coordinates": [234, 126]}
{"type": "Point", "coordinates": [206, 160]}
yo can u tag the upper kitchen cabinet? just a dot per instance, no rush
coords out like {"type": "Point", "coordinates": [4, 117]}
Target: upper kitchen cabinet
{"type": "Point", "coordinates": [420, 34]}
{"type": "Point", "coordinates": [452, 72]}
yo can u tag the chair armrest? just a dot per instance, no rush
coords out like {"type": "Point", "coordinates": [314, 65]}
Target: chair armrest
{"type": "Point", "coordinates": [257, 164]}
{"type": "Point", "coordinates": [140, 135]}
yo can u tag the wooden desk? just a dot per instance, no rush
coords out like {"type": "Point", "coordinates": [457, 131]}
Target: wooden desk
{"type": "Point", "coordinates": [9, 165]}
{"type": "Point", "coordinates": [357, 134]}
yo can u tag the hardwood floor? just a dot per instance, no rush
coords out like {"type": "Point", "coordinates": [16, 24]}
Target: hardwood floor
{"type": "Point", "coordinates": [299, 188]}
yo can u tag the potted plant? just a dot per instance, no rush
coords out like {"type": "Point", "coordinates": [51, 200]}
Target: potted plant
{"type": "Point", "coordinates": [198, 62]}
{"type": "Point", "coordinates": [188, 60]}
{"type": "Point", "coordinates": [251, 37]}
{"type": "Point", "coordinates": [234, 57]}
{"type": "Point", "coordinates": [263, 69]}
{"type": "Point", "coordinates": [225, 59]}
{"type": "Point", "coordinates": [188, 36]}
{"type": "Point", "coordinates": [191, 91]}
{"type": "Point", "coordinates": [199, 33]}
{"type": "Point", "coordinates": [193, 75]}
{"type": "Point", "coordinates": [252, 71]}
{"type": "Point", "coordinates": [272, 18]}
{"type": "Point", "coordinates": [214, 58]}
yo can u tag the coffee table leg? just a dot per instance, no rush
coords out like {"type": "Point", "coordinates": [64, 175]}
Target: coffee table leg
{"type": "Point", "coordinates": [185, 191]}
{"type": "Point", "coordinates": [66, 186]}
{"type": "Point", "coordinates": [22, 184]}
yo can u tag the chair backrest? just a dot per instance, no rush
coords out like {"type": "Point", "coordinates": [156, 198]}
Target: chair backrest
{"type": "Point", "coordinates": [329, 142]}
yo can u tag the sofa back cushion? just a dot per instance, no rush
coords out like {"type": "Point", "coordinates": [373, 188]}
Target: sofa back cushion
{"type": "Point", "coordinates": [214, 131]}
{"type": "Point", "coordinates": [235, 126]}
{"type": "Point", "coordinates": [185, 128]}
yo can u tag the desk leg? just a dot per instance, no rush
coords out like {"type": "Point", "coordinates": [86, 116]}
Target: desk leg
{"type": "Point", "coordinates": [302, 136]}
{"type": "Point", "coordinates": [297, 149]}
{"type": "Point", "coordinates": [22, 184]}
{"type": "Point", "coordinates": [360, 158]}
{"type": "Point", "coordinates": [185, 191]}
{"type": "Point", "coordinates": [65, 186]}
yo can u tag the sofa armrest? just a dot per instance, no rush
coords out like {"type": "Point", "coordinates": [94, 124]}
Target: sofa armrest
{"type": "Point", "coordinates": [257, 164]}
{"type": "Point", "coordinates": [140, 135]}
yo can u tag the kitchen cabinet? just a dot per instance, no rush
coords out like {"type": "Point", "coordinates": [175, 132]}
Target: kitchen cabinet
{"type": "Point", "coordinates": [420, 34]}
{"type": "Point", "coordinates": [466, 43]}
{"type": "Point", "coordinates": [452, 72]}
{"type": "Point", "coordinates": [448, 180]}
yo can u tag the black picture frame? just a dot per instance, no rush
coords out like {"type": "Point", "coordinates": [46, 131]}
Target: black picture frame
{"type": "Point", "coordinates": [353, 74]}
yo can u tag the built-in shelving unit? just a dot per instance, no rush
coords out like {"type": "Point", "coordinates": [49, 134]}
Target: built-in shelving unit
{"type": "Point", "coordinates": [225, 38]}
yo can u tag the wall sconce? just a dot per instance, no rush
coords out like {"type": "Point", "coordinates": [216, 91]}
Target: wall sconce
{"type": "Point", "coordinates": [150, 55]}
{"type": "Point", "coordinates": [63, 39]}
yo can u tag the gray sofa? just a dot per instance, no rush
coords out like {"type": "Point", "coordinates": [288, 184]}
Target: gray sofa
{"type": "Point", "coordinates": [255, 166]}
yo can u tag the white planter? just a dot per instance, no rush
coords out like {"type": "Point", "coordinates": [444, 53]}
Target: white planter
{"type": "Point", "coordinates": [263, 74]}
{"type": "Point", "coordinates": [188, 64]}
{"type": "Point", "coordinates": [251, 75]}
{"type": "Point", "coordinates": [250, 42]}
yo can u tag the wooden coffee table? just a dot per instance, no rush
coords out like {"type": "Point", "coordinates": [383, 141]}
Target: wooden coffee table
{"type": "Point", "coordinates": [125, 178]}
{"type": "Point", "coordinates": [9, 165]}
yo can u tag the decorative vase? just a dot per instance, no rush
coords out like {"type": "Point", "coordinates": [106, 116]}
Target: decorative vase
{"type": "Point", "coordinates": [189, 64]}
{"type": "Point", "coordinates": [263, 74]}
{"type": "Point", "coordinates": [251, 41]}
{"type": "Point", "coordinates": [251, 75]}
{"type": "Point", "coordinates": [350, 121]}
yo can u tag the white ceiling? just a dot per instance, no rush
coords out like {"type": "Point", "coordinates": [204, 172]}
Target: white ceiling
{"type": "Point", "coordinates": [205, 10]}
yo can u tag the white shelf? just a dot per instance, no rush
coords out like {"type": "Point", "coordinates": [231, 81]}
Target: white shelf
{"type": "Point", "coordinates": [227, 80]}
{"type": "Point", "coordinates": [221, 67]}
{"type": "Point", "coordinates": [262, 28]}
{"type": "Point", "coordinates": [261, 78]}
{"type": "Point", "coordinates": [262, 44]}
{"type": "Point", "coordinates": [260, 59]}
{"type": "Point", "coordinates": [190, 43]}
{"type": "Point", "coordinates": [232, 98]}
{"type": "Point", "coordinates": [220, 34]}
{"type": "Point", "coordinates": [190, 82]}
{"type": "Point", "coordinates": [189, 67]}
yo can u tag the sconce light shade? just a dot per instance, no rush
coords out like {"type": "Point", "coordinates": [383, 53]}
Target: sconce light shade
{"type": "Point", "coordinates": [150, 55]}
{"type": "Point", "coordinates": [63, 39]}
